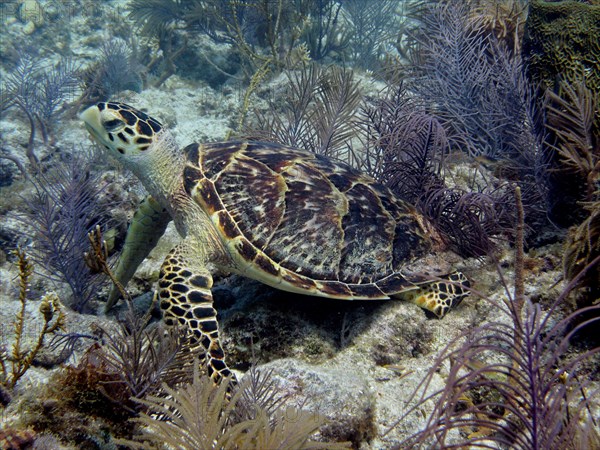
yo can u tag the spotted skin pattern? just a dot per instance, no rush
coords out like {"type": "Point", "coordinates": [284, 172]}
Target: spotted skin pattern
{"type": "Point", "coordinates": [294, 220]}
{"type": "Point", "coordinates": [185, 300]}
{"type": "Point", "coordinates": [139, 129]}
{"type": "Point", "coordinates": [441, 296]}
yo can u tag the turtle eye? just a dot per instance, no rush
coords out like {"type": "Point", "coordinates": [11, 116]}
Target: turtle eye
{"type": "Point", "coordinates": [113, 124]}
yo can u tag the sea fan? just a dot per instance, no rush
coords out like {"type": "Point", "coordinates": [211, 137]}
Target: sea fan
{"type": "Point", "coordinates": [470, 221]}
{"type": "Point", "coordinates": [39, 91]}
{"type": "Point", "coordinates": [411, 143]}
{"type": "Point", "coordinates": [474, 84]}
{"type": "Point", "coordinates": [63, 209]}
{"type": "Point", "coordinates": [21, 84]}
{"type": "Point", "coordinates": [513, 383]}
{"type": "Point", "coordinates": [408, 147]}
{"type": "Point", "coordinates": [154, 15]}
{"type": "Point", "coordinates": [319, 113]}
{"type": "Point", "coordinates": [215, 18]}
{"type": "Point", "coordinates": [324, 35]}
{"type": "Point", "coordinates": [56, 86]}
{"type": "Point", "coordinates": [475, 87]}
{"type": "Point", "coordinates": [141, 358]}
{"type": "Point", "coordinates": [571, 118]}
{"type": "Point", "coordinates": [117, 69]}
{"type": "Point", "coordinates": [374, 28]}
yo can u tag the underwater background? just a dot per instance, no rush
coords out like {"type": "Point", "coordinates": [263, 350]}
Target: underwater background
{"type": "Point", "coordinates": [484, 115]}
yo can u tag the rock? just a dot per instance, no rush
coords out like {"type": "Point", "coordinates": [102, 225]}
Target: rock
{"type": "Point", "coordinates": [31, 14]}
{"type": "Point", "coordinates": [340, 395]}
{"type": "Point", "coordinates": [31, 11]}
{"type": "Point", "coordinates": [29, 28]}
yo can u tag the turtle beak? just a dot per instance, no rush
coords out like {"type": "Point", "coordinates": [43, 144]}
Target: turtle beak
{"type": "Point", "coordinates": [91, 120]}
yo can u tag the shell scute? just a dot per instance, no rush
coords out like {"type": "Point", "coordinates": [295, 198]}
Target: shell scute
{"type": "Point", "coordinates": [368, 237]}
{"type": "Point", "coordinates": [303, 221]}
{"type": "Point", "coordinates": [335, 289]}
{"type": "Point", "coordinates": [191, 177]}
{"type": "Point", "coordinates": [214, 158]}
{"type": "Point", "coordinates": [406, 241]}
{"type": "Point", "coordinates": [310, 235]}
{"type": "Point", "coordinates": [226, 224]}
{"type": "Point", "coordinates": [204, 193]}
{"type": "Point", "coordinates": [192, 154]}
{"type": "Point", "coordinates": [271, 156]}
{"type": "Point", "coordinates": [368, 290]}
{"type": "Point", "coordinates": [254, 195]}
{"type": "Point", "coordinates": [392, 284]}
{"type": "Point", "coordinates": [266, 264]}
{"type": "Point", "coordinates": [303, 283]}
{"type": "Point", "coordinates": [246, 250]}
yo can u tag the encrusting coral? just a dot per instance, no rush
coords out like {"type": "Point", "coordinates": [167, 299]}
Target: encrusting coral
{"type": "Point", "coordinates": [561, 40]}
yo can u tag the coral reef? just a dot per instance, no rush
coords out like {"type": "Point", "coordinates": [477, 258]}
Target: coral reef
{"type": "Point", "coordinates": [319, 113]}
{"type": "Point", "coordinates": [572, 120]}
{"type": "Point", "coordinates": [374, 25]}
{"type": "Point", "coordinates": [65, 206]}
{"type": "Point", "coordinates": [561, 50]}
{"type": "Point", "coordinates": [323, 35]}
{"type": "Point", "coordinates": [118, 69]}
{"type": "Point", "coordinates": [15, 363]}
{"type": "Point", "coordinates": [455, 105]}
{"type": "Point", "coordinates": [39, 92]}
{"type": "Point", "coordinates": [561, 43]}
{"type": "Point", "coordinates": [202, 415]}
{"type": "Point", "coordinates": [128, 361]}
{"type": "Point", "coordinates": [522, 399]}
{"type": "Point", "coordinates": [505, 19]}
{"type": "Point", "coordinates": [461, 68]}
{"type": "Point", "coordinates": [582, 254]}
{"type": "Point", "coordinates": [410, 146]}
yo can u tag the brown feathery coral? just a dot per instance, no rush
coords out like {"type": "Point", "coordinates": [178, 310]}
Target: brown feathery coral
{"type": "Point", "coordinates": [505, 19]}
{"type": "Point", "coordinates": [581, 249]}
{"type": "Point", "coordinates": [574, 142]}
{"type": "Point", "coordinates": [204, 415]}
{"type": "Point", "coordinates": [14, 365]}
{"type": "Point", "coordinates": [561, 51]}
{"type": "Point", "coordinates": [571, 115]}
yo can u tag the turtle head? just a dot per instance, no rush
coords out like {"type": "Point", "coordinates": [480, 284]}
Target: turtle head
{"type": "Point", "coordinates": [124, 131]}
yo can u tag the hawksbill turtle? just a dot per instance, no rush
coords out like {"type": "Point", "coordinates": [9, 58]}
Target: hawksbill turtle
{"type": "Point", "coordinates": [289, 218]}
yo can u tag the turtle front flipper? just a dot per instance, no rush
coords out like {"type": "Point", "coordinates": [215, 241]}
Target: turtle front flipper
{"type": "Point", "coordinates": [186, 300]}
{"type": "Point", "coordinates": [438, 296]}
{"type": "Point", "coordinates": [147, 226]}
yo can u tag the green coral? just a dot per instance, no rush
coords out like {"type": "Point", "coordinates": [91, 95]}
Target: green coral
{"type": "Point", "coordinates": [562, 40]}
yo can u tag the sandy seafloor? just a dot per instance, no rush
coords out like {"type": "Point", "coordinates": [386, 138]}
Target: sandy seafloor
{"type": "Point", "coordinates": [358, 362]}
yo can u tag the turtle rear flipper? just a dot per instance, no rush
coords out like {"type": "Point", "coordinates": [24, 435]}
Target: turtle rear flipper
{"type": "Point", "coordinates": [438, 296]}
